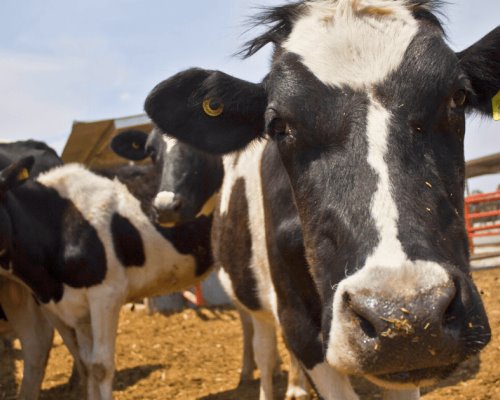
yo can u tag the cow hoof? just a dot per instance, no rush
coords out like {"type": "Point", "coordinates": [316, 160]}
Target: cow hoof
{"type": "Point", "coordinates": [297, 393]}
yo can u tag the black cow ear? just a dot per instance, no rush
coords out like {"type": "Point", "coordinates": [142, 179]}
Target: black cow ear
{"type": "Point", "coordinates": [16, 174]}
{"type": "Point", "coordinates": [481, 63]}
{"type": "Point", "coordinates": [130, 145]}
{"type": "Point", "coordinates": [209, 110]}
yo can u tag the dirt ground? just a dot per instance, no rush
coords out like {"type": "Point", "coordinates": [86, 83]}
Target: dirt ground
{"type": "Point", "coordinates": [197, 355]}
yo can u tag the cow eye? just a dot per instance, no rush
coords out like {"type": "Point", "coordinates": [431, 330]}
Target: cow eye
{"type": "Point", "coordinates": [458, 99]}
{"type": "Point", "coordinates": [278, 128]}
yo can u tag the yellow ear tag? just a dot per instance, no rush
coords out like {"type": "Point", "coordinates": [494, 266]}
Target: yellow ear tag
{"type": "Point", "coordinates": [213, 107]}
{"type": "Point", "coordinates": [135, 146]}
{"type": "Point", "coordinates": [496, 107]}
{"type": "Point", "coordinates": [23, 175]}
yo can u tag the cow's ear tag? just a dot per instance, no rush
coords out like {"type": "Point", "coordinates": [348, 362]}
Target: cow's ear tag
{"type": "Point", "coordinates": [23, 175]}
{"type": "Point", "coordinates": [136, 146]}
{"type": "Point", "coordinates": [496, 107]}
{"type": "Point", "coordinates": [213, 107]}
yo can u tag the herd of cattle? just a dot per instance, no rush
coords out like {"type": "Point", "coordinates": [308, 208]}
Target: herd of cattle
{"type": "Point", "coordinates": [329, 197]}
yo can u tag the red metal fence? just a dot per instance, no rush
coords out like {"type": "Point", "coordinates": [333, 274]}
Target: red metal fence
{"type": "Point", "coordinates": [482, 219]}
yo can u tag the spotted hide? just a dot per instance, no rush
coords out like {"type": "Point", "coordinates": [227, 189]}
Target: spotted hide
{"type": "Point", "coordinates": [362, 181]}
{"type": "Point", "coordinates": [84, 247]}
{"type": "Point", "coordinates": [189, 187]}
{"type": "Point", "coordinates": [25, 318]}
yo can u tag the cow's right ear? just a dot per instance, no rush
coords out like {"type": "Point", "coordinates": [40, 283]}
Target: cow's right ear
{"type": "Point", "coordinates": [209, 110]}
{"type": "Point", "coordinates": [16, 174]}
{"type": "Point", "coordinates": [130, 145]}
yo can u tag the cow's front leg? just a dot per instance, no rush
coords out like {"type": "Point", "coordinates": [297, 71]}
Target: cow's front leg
{"type": "Point", "coordinates": [264, 348]}
{"type": "Point", "coordinates": [410, 394]}
{"type": "Point", "coordinates": [104, 321]}
{"type": "Point", "coordinates": [248, 362]}
{"type": "Point", "coordinates": [34, 332]}
{"type": "Point", "coordinates": [298, 385]}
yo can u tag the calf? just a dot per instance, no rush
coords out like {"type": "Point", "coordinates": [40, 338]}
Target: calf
{"type": "Point", "coordinates": [84, 247]}
{"type": "Point", "coordinates": [24, 315]}
{"type": "Point", "coordinates": [189, 187]}
{"type": "Point", "coordinates": [362, 183]}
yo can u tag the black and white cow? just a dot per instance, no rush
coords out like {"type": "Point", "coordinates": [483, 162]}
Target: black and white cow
{"type": "Point", "coordinates": [189, 186]}
{"type": "Point", "coordinates": [361, 183]}
{"type": "Point", "coordinates": [25, 317]}
{"type": "Point", "coordinates": [83, 245]}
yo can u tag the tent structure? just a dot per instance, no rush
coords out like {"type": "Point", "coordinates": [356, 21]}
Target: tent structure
{"type": "Point", "coordinates": [88, 142]}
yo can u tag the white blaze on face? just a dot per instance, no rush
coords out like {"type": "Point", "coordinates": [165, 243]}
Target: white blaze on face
{"type": "Point", "coordinates": [387, 272]}
{"type": "Point", "coordinates": [344, 46]}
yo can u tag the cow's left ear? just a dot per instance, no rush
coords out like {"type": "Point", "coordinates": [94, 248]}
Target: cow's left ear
{"type": "Point", "coordinates": [16, 174]}
{"type": "Point", "coordinates": [130, 144]}
{"type": "Point", "coordinates": [209, 110]}
{"type": "Point", "coordinates": [481, 63]}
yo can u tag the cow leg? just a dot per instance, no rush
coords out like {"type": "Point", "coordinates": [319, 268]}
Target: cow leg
{"type": "Point", "coordinates": [264, 348]}
{"type": "Point", "coordinates": [68, 335]}
{"type": "Point", "coordinates": [411, 394]}
{"type": "Point", "coordinates": [298, 385]}
{"type": "Point", "coordinates": [85, 346]}
{"type": "Point", "coordinates": [330, 383]}
{"type": "Point", "coordinates": [248, 363]}
{"type": "Point", "coordinates": [104, 319]}
{"type": "Point", "coordinates": [35, 334]}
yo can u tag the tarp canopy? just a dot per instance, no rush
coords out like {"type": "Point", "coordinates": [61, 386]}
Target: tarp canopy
{"type": "Point", "coordinates": [88, 142]}
{"type": "Point", "coordinates": [483, 166]}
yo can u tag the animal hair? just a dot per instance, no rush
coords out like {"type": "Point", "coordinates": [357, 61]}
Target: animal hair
{"type": "Point", "coordinates": [280, 20]}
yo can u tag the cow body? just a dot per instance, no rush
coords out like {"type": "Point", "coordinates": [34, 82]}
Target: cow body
{"type": "Point", "coordinates": [86, 248]}
{"type": "Point", "coordinates": [25, 317]}
{"type": "Point", "coordinates": [195, 183]}
{"type": "Point", "coordinates": [362, 183]}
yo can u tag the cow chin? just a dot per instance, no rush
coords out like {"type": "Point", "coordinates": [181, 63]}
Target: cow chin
{"type": "Point", "coordinates": [412, 379]}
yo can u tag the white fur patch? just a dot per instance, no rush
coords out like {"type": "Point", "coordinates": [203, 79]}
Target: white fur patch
{"type": "Point", "coordinates": [342, 46]}
{"type": "Point", "coordinates": [389, 251]}
{"type": "Point", "coordinates": [163, 199]}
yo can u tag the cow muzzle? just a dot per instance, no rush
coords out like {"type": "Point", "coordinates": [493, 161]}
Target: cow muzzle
{"type": "Point", "coordinates": [166, 209]}
{"type": "Point", "coordinates": [398, 329]}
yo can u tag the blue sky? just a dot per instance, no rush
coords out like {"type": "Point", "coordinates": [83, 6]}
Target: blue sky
{"type": "Point", "coordinates": [62, 61]}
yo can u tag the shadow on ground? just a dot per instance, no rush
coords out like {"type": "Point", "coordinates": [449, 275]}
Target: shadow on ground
{"type": "Point", "coordinates": [123, 379]}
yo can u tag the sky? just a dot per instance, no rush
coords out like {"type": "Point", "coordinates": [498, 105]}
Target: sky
{"type": "Point", "coordinates": [84, 60]}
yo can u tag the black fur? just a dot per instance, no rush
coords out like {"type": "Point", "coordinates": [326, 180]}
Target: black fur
{"type": "Point", "coordinates": [51, 242]}
{"type": "Point", "coordinates": [127, 242]}
{"type": "Point", "coordinates": [233, 246]}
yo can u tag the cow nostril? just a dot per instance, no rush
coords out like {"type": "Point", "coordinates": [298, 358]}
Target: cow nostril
{"type": "Point", "coordinates": [451, 317]}
{"type": "Point", "coordinates": [365, 325]}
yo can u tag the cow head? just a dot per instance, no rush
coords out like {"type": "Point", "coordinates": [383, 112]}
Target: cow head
{"type": "Point", "coordinates": [12, 176]}
{"type": "Point", "coordinates": [190, 178]}
{"type": "Point", "coordinates": [365, 106]}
